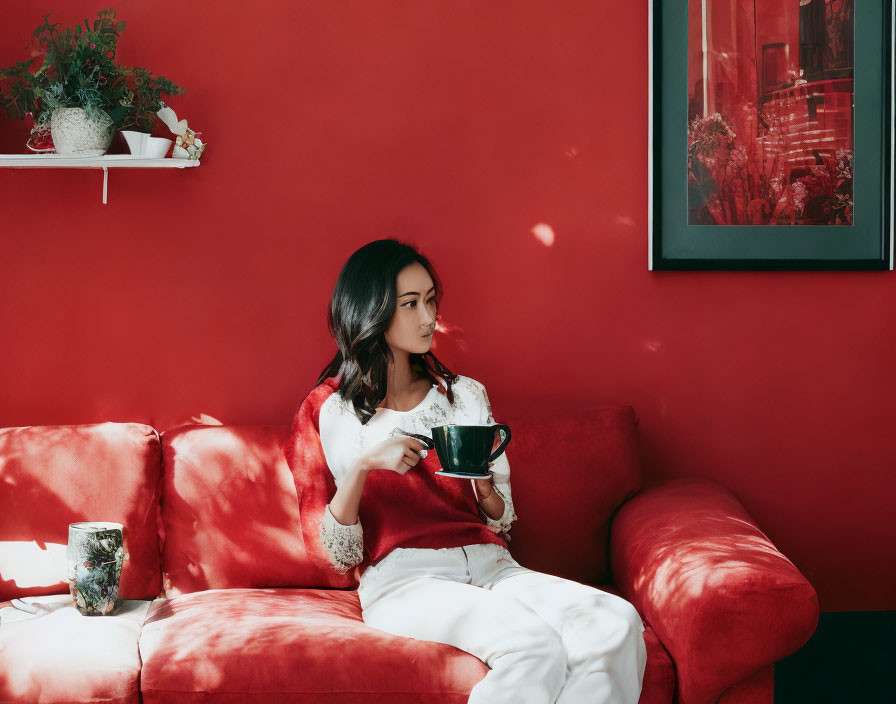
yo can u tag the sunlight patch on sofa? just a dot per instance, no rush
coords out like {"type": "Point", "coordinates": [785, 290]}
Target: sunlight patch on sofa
{"type": "Point", "coordinates": [28, 563]}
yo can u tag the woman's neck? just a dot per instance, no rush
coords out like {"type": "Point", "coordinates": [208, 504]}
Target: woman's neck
{"type": "Point", "coordinates": [401, 378]}
{"type": "Point", "coordinates": [403, 384]}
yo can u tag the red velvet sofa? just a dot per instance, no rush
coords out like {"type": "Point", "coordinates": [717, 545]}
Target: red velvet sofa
{"type": "Point", "coordinates": [225, 603]}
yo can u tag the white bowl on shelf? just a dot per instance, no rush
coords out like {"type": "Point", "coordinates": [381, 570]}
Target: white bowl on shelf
{"type": "Point", "coordinates": [136, 141]}
{"type": "Point", "coordinates": [157, 147]}
{"type": "Point", "coordinates": [141, 144]}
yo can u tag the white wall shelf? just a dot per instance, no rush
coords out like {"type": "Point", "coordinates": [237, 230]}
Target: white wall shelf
{"type": "Point", "coordinates": [104, 162]}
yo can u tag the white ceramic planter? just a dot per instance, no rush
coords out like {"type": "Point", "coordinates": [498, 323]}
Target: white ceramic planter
{"type": "Point", "coordinates": [77, 135]}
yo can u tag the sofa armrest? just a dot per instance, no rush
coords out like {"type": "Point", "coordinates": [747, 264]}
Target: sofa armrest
{"type": "Point", "coordinates": [719, 595]}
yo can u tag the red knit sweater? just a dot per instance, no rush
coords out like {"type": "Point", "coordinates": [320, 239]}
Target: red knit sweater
{"type": "Point", "coordinates": [417, 509]}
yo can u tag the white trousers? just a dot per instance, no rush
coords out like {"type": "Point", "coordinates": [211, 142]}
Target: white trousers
{"type": "Point", "coordinates": [546, 639]}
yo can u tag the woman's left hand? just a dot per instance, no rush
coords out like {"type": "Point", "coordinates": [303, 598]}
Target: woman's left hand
{"type": "Point", "coordinates": [484, 487]}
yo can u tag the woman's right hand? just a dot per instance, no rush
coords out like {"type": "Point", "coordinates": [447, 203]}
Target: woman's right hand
{"type": "Point", "coordinates": [398, 454]}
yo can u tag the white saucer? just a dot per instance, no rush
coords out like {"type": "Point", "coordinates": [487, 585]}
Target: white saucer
{"type": "Point", "coordinates": [463, 476]}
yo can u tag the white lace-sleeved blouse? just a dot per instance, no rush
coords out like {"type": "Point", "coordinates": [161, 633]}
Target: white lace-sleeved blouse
{"type": "Point", "coordinates": [344, 438]}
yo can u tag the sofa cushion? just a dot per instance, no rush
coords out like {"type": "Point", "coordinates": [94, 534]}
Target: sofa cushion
{"type": "Point", "coordinates": [51, 476]}
{"type": "Point", "coordinates": [230, 507]}
{"type": "Point", "coordinates": [230, 512]}
{"type": "Point", "coordinates": [64, 657]}
{"type": "Point", "coordinates": [300, 645]}
{"type": "Point", "coordinates": [570, 470]}
{"type": "Point", "coordinates": [310, 645]}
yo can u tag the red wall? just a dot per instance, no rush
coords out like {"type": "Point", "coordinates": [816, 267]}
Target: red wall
{"type": "Point", "coordinates": [458, 126]}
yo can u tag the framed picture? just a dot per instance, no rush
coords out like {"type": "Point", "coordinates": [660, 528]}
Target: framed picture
{"type": "Point", "coordinates": [771, 134]}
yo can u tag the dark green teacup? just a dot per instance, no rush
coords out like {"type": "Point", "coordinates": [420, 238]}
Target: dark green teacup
{"type": "Point", "coordinates": [467, 449]}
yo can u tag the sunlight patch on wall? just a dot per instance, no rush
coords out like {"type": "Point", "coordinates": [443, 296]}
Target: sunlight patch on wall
{"type": "Point", "coordinates": [544, 233]}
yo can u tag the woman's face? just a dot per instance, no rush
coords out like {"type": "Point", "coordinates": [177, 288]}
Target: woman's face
{"type": "Point", "coordinates": [414, 320]}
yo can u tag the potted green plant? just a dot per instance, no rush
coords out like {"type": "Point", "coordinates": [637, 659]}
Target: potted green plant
{"type": "Point", "coordinates": [145, 102]}
{"type": "Point", "coordinates": [79, 90]}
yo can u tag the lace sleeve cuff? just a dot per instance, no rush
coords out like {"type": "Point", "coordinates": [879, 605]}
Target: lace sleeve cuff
{"type": "Point", "coordinates": [344, 544]}
{"type": "Point", "coordinates": [501, 525]}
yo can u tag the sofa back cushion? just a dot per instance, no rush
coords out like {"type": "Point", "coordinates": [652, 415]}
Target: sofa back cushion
{"type": "Point", "coordinates": [51, 476]}
{"type": "Point", "coordinates": [230, 507]}
{"type": "Point", "coordinates": [570, 471]}
{"type": "Point", "coordinates": [230, 512]}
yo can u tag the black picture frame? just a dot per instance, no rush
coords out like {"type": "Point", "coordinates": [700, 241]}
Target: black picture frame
{"type": "Point", "coordinates": [673, 244]}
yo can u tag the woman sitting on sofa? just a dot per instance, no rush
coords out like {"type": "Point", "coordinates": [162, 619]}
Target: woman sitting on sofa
{"type": "Point", "coordinates": [437, 566]}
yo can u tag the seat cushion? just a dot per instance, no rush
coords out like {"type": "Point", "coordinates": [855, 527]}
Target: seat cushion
{"type": "Point", "coordinates": [296, 645]}
{"type": "Point", "coordinates": [230, 512]}
{"type": "Point", "coordinates": [307, 646]}
{"type": "Point", "coordinates": [53, 475]}
{"type": "Point", "coordinates": [65, 657]}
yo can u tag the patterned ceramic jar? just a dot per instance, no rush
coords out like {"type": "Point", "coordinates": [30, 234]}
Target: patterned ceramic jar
{"type": "Point", "coordinates": [76, 134]}
{"type": "Point", "coordinates": [95, 555]}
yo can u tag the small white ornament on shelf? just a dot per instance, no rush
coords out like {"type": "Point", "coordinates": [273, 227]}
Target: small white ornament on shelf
{"type": "Point", "coordinates": [187, 145]}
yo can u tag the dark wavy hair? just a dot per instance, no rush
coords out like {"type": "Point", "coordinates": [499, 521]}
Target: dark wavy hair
{"type": "Point", "coordinates": [362, 304]}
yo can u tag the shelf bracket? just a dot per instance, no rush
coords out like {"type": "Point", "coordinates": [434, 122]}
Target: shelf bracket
{"type": "Point", "coordinates": [105, 182]}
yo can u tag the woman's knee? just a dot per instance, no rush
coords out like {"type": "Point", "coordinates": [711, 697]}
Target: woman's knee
{"type": "Point", "coordinates": [627, 623]}
{"type": "Point", "coordinates": [593, 629]}
{"type": "Point", "coordinates": [628, 611]}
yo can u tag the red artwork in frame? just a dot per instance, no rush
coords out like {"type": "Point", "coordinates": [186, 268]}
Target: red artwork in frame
{"type": "Point", "coordinates": [771, 112]}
